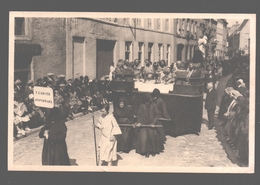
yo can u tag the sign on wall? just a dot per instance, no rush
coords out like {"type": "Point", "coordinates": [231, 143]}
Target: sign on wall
{"type": "Point", "coordinates": [43, 97]}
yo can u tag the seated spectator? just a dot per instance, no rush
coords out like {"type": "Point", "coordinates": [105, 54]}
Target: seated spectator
{"type": "Point", "coordinates": [36, 115]}
{"type": "Point", "coordinates": [21, 117]}
{"type": "Point", "coordinates": [157, 72]}
{"type": "Point", "coordinates": [128, 73]}
{"type": "Point", "coordinates": [119, 70]}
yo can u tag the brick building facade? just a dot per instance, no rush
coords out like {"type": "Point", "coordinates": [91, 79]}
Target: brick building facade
{"type": "Point", "coordinates": [87, 46]}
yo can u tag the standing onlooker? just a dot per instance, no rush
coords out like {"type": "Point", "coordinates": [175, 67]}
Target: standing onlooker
{"type": "Point", "coordinates": [54, 132]}
{"type": "Point", "coordinates": [109, 129]}
{"type": "Point", "coordinates": [111, 71]}
{"type": "Point", "coordinates": [210, 104]}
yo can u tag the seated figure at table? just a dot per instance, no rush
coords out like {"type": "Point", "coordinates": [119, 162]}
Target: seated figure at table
{"type": "Point", "coordinates": [148, 70]}
{"type": "Point", "coordinates": [119, 70]}
{"type": "Point", "coordinates": [169, 77]}
{"type": "Point", "coordinates": [137, 69]}
{"type": "Point", "coordinates": [127, 72]}
{"type": "Point", "coordinates": [123, 115]}
{"type": "Point", "coordinates": [156, 72]}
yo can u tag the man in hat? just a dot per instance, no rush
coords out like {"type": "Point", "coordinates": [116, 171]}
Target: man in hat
{"type": "Point", "coordinates": [61, 80]}
{"type": "Point", "coordinates": [168, 77]}
{"type": "Point", "coordinates": [50, 77]}
{"type": "Point", "coordinates": [39, 82]}
{"type": "Point", "coordinates": [28, 90]}
{"type": "Point", "coordinates": [210, 104]}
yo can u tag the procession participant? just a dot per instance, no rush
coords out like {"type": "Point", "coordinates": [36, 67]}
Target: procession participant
{"type": "Point", "coordinates": [148, 139]}
{"type": "Point", "coordinates": [86, 80]}
{"type": "Point", "coordinates": [148, 70]}
{"type": "Point", "coordinates": [110, 131]}
{"type": "Point", "coordinates": [168, 77]}
{"type": "Point", "coordinates": [123, 115]}
{"type": "Point", "coordinates": [50, 77]}
{"type": "Point", "coordinates": [61, 80]}
{"type": "Point", "coordinates": [162, 111]}
{"type": "Point", "coordinates": [157, 72]}
{"type": "Point", "coordinates": [210, 104]}
{"type": "Point", "coordinates": [111, 71]}
{"type": "Point", "coordinates": [137, 69]}
{"type": "Point", "coordinates": [45, 81]}
{"type": "Point", "coordinates": [54, 132]}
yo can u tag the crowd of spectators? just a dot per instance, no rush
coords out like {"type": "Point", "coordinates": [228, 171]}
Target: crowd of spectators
{"type": "Point", "coordinates": [234, 107]}
{"type": "Point", "coordinates": [71, 96]}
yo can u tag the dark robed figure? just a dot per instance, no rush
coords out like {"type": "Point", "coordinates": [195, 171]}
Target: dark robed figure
{"type": "Point", "coordinates": [54, 132]}
{"type": "Point", "coordinates": [148, 138]}
{"type": "Point", "coordinates": [123, 115]}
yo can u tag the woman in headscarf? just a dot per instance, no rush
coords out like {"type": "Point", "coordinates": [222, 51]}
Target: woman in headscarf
{"type": "Point", "coordinates": [123, 115]}
{"type": "Point", "coordinates": [148, 139]}
{"type": "Point", "coordinates": [54, 132]}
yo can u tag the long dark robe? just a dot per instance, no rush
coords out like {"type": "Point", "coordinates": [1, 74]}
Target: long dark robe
{"type": "Point", "coordinates": [54, 150]}
{"type": "Point", "coordinates": [148, 138]}
{"type": "Point", "coordinates": [125, 140]}
{"type": "Point", "coordinates": [163, 113]}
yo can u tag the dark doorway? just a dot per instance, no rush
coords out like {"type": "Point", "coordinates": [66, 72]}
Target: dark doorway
{"type": "Point", "coordinates": [105, 56]}
{"type": "Point", "coordinates": [179, 51]}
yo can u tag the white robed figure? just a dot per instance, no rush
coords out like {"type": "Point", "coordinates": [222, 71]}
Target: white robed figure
{"type": "Point", "coordinates": [108, 142]}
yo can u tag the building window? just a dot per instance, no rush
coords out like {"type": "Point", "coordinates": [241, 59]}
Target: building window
{"type": "Point", "coordinates": [166, 24]}
{"type": "Point", "coordinates": [139, 22]}
{"type": "Point", "coordinates": [140, 51]}
{"type": "Point", "coordinates": [178, 26]}
{"type": "Point", "coordinates": [160, 51]}
{"type": "Point", "coordinates": [195, 30]}
{"type": "Point", "coordinates": [168, 57]}
{"type": "Point", "coordinates": [188, 26]}
{"type": "Point", "coordinates": [128, 50]}
{"type": "Point", "coordinates": [126, 21]}
{"type": "Point", "coordinates": [192, 27]}
{"type": "Point", "coordinates": [149, 23]}
{"type": "Point", "coordinates": [182, 27]}
{"type": "Point", "coordinates": [19, 26]}
{"type": "Point", "coordinates": [158, 24]}
{"type": "Point", "coordinates": [150, 49]}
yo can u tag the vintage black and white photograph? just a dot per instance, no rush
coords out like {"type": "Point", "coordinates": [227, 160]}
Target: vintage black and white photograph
{"type": "Point", "coordinates": [131, 92]}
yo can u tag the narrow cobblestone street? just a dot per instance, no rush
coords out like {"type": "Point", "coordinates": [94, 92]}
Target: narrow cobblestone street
{"type": "Point", "coordinates": [189, 150]}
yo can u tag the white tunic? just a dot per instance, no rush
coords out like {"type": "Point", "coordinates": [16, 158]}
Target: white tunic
{"type": "Point", "coordinates": [108, 148]}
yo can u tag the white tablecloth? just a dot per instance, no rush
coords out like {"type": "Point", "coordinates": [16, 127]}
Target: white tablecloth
{"type": "Point", "coordinates": [149, 86]}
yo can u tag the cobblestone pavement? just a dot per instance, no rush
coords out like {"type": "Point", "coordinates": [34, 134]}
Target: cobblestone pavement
{"type": "Point", "coordinates": [184, 151]}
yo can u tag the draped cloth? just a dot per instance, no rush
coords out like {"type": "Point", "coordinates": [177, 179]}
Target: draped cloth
{"type": "Point", "coordinates": [54, 150]}
{"type": "Point", "coordinates": [108, 148]}
{"type": "Point", "coordinates": [124, 116]}
{"type": "Point", "coordinates": [148, 139]}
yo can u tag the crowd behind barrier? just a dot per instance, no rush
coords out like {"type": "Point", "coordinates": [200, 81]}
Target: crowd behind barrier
{"type": "Point", "coordinates": [70, 96]}
{"type": "Point", "coordinates": [234, 107]}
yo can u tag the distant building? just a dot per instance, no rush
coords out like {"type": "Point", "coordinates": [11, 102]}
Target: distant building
{"type": "Point", "coordinates": [238, 39]}
{"type": "Point", "coordinates": [221, 37]}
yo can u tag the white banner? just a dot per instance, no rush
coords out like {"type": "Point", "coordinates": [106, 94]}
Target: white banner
{"type": "Point", "coordinates": [43, 97]}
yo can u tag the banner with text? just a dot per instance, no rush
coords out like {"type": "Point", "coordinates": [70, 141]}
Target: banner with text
{"type": "Point", "coordinates": [43, 97]}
